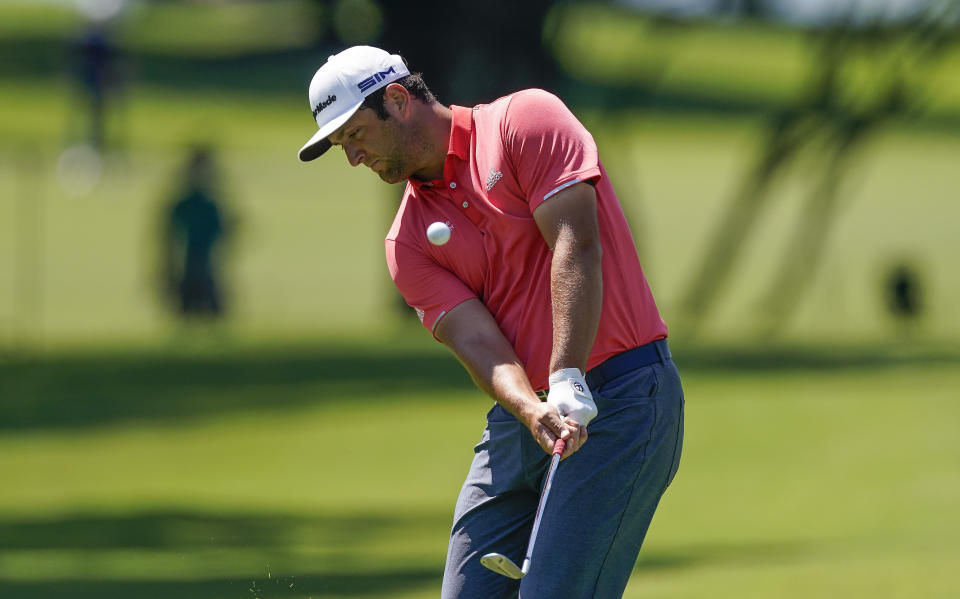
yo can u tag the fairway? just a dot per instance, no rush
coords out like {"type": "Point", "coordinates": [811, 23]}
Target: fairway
{"type": "Point", "coordinates": [300, 476]}
{"type": "Point", "coordinates": [312, 445]}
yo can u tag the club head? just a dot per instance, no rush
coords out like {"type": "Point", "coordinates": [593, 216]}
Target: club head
{"type": "Point", "coordinates": [502, 564]}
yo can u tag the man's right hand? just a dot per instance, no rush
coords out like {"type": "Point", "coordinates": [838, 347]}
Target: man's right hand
{"type": "Point", "coordinates": [546, 425]}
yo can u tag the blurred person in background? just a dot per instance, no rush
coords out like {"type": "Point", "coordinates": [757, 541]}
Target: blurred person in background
{"type": "Point", "coordinates": [903, 291]}
{"type": "Point", "coordinates": [193, 230]}
{"type": "Point", "coordinates": [95, 66]}
{"type": "Point", "coordinates": [535, 285]}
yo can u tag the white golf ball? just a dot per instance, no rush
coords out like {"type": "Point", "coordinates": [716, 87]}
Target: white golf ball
{"type": "Point", "coordinates": [438, 233]}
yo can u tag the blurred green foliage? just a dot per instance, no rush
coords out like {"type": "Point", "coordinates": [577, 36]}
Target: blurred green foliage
{"type": "Point", "coordinates": [207, 29]}
{"type": "Point", "coordinates": [741, 62]}
{"type": "Point", "coordinates": [178, 27]}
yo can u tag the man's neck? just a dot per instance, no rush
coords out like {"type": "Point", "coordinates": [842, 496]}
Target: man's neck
{"type": "Point", "coordinates": [436, 121]}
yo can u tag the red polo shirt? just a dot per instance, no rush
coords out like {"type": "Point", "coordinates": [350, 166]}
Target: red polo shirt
{"type": "Point", "coordinates": [504, 159]}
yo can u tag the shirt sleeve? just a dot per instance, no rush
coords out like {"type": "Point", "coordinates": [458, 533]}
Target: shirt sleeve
{"type": "Point", "coordinates": [427, 287]}
{"type": "Point", "coordinates": [549, 148]}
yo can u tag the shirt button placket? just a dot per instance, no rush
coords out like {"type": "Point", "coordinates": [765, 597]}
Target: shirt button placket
{"type": "Point", "coordinates": [465, 204]}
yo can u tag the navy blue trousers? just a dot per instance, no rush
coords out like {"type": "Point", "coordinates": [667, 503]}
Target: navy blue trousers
{"type": "Point", "coordinates": [600, 506]}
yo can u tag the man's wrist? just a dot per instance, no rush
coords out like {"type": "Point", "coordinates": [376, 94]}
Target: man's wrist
{"type": "Point", "coordinates": [571, 396]}
{"type": "Point", "coordinates": [565, 373]}
{"type": "Point", "coordinates": [528, 410]}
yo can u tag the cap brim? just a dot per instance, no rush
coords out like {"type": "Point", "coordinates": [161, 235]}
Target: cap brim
{"type": "Point", "coordinates": [318, 144]}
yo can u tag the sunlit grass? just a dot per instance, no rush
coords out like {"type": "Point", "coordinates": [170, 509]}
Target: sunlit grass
{"type": "Point", "coordinates": [799, 482]}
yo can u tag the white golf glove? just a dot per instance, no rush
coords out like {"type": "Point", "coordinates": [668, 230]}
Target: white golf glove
{"type": "Point", "coordinates": [571, 396]}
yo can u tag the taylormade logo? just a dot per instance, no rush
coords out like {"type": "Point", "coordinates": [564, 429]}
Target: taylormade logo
{"type": "Point", "coordinates": [375, 79]}
{"type": "Point", "coordinates": [330, 100]}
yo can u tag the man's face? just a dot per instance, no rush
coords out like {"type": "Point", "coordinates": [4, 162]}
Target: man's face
{"type": "Point", "coordinates": [382, 145]}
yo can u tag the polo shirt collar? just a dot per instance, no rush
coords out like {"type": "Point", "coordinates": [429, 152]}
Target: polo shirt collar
{"type": "Point", "coordinates": [460, 132]}
{"type": "Point", "coordinates": [461, 129]}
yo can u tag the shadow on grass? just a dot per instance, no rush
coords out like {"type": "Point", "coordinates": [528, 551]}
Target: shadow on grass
{"type": "Point", "coordinates": [764, 357]}
{"type": "Point", "coordinates": [195, 537]}
{"type": "Point", "coordinates": [266, 539]}
{"type": "Point", "coordinates": [187, 531]}
{"type": "Point", "coordinates": [363, 584]}
{"type": "Point", "coordinates": [698, 555]}
{"type": "Point", "coordinates": [76, 390]}
{"type": "Point", "coordinates": [84, 390]}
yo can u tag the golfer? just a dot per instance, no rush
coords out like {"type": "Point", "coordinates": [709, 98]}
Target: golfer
{"type": "Point", "coordinates": [539, 293]}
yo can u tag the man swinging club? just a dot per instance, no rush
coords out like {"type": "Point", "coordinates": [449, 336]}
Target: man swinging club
{"type": "Point", "coordinates": [533, 282]}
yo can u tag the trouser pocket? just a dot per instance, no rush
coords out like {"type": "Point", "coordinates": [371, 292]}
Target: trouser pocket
{"type": "Point", "coordinates": [673, 394]}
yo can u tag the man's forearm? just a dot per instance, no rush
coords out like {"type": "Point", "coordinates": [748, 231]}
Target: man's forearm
{"type": "Point", "coordinates": [475, 339]}
{"type": "Point", "coordinates": [471, 333]}
{"type": "Point", "coordinates": [497, 371]}
{"type": "Point", "coordinates": [577, 298]}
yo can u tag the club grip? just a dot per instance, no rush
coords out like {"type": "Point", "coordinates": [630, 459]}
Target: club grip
{"type": "Point", "coordinates": [559, 446]}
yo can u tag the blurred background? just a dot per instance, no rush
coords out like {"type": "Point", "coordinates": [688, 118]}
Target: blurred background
{"type": "Point", "coordinates": [210, 389]}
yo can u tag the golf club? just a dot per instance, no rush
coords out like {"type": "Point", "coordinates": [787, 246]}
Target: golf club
{"type": "Point", "coordinates": [502, 564]}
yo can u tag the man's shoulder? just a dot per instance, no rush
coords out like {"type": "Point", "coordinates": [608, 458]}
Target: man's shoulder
{"type": "Point", "coordinates": [517, 112]}
{"type": "Point", "coordinates": [524, 98]}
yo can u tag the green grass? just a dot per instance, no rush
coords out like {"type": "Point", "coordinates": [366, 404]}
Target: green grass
{"type": "Point", "coordinates": [306, 258]}
{"type": "Point", "coordinates": [676, 176]}
{"type": "Point", "coordinates": [335, 471]}
{"type": "Point", "coordinates": [292, 223]}
{"type": "Point", "coordinates": [148, 461]}
{"type": "Point", "coordinates": [295, 223]}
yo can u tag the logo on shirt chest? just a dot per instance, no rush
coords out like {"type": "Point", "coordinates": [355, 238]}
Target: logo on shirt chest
{"type": "Point", "coordinates": [492, 178]}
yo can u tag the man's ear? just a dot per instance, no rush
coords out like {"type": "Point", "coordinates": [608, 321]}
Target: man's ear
{"type": "Point", "coordinates": [396, 99]}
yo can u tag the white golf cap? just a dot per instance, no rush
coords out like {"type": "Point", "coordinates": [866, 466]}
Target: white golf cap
{"type": "Point", "coordinates": [339, 87]}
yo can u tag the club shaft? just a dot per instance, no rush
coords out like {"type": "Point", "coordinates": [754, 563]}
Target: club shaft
{"type": "Point", "coordinates": [554, 461]}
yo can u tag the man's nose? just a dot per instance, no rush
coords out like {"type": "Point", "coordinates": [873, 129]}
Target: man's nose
{"type": "Point", "coordinates": [354, 155]}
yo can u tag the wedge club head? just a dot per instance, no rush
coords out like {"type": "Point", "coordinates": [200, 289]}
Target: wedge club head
{"type": "Point", "coordinates": [502, 564]}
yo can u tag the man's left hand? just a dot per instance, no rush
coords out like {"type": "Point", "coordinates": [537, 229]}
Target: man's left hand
{"type": "Point", "coordinates": [571, 396]}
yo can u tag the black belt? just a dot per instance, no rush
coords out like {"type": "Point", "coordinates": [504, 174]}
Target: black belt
{"type": "Point", "coordinates": [622, 363]}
